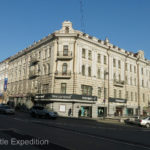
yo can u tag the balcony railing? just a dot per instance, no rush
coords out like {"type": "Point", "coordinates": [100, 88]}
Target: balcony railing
{"type": "Point", "coordinates": [118, 83]}
{"type": "Point", "coordinates": [61, 75]}
{"type": "Point", "coordinates": [64, 56]}
{"type": "Point", "coordinates": [33, 74]}
{"type": "Point", "coordinates": [34, 61]}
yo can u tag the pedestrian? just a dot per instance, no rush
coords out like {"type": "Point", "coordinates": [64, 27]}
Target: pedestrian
{"type": "Point", "coordinates": [69, 112]}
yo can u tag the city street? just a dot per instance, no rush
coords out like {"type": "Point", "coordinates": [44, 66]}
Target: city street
{"type": "Point", "coordinates": [69, 133]}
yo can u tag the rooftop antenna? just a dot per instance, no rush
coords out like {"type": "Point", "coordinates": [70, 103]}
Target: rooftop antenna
{"type": "Point", "coordinates": [82, 16]}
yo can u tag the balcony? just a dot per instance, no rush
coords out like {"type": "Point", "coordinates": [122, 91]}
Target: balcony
{"type": "Point", "coordinates": [119, 83]}
{"type": "Point", "coordinates": [33, 74]}
{"type": "Point", "coordinates": [60, 75]}
{"type": "Point", "coordinates": [33, 61]}
{"type": "Point", "coordinates": [64, 56]}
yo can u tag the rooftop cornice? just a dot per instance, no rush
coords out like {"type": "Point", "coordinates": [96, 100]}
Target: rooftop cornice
{"type": "Point", "coordinates": [32, 47]}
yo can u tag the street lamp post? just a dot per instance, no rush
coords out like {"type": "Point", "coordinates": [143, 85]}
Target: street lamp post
{"type": "Point", "coordinates": [105, 74]}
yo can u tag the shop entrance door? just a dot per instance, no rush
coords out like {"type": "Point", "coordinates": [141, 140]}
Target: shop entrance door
{"type": "Point", "coordinates": [118, 111]}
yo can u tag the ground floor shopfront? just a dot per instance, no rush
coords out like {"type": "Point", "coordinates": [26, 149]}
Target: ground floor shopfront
{"type": "Point", "coordinates": [77, 105]}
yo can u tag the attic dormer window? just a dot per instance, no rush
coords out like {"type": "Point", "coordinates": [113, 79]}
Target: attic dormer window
{"type": "Point", "coordinates": [67, 30]}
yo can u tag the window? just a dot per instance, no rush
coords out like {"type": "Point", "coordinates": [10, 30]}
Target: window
{"type": "Point", "coordinates": [126, 66]}
{"type": "Point", "coordinates": [105, 93]}
{"type": "Point", "coordinates": [114, 76]}
{"type": "Point", "coordinates": [134, 69]}
{"type": "Point", "coordinates": [83, 53]}
{"type": "Point", "coordinates": [134, 81]}
{"type": "Point", "coordinates": [135, 96]}
{"type": "Point", "coordinates": [46, 53]}
{"type": "Point", "coordinates": [67, 30]}
{"type": "Point", "coordinates": [63, 88]}
{"type": "Point", "coordinates": [119, 64]}
{"type": "Point", "coordinates": [45, 88]}
{"type": "Point", "coordinates": [65, 50]}
{"type": "Point", "coordinates": [115, 93]}
{"type": "Point", "coordinates": [130, 68]}
{"type": "Point", "coordinates": [131, 96]}
{"type": "Point", "coordinates": [119, 78]}
{"type": "Point", "coordinates": [98, 74]}
{"type": "Point", "coordinates": [39, 54]}
{"type": "Point", "coordinates": [130, 80]}
{"type": "Point", "coordinates": [105, 60]}
{"type": "Point", "coordinates": [49, 51]}
{"type": "Point", "coordinates": [126, 80]}
{"type": "Point", "coordinates": [142, 83]}
{"type": "Point", "coordinates": [141, 70]}
{"type": "Point", "coordinates": [114, 62]}
{"type": "Point", "coordinates": [120, 94]}
{"type": "Point", "coordinates": [143, 97]}
{"type": "Point", "coordinates": [99, 58]}
{"type": "Point", "coordinates": [86, 90]}
{"type": "Point", "coordinates": [90, 55]}
{"type": "Point", "coordinates": [127, 95]}
{"type": "Point", "coordinates": [99, 92]}
{"type": "Point", "coordinates": [83, 70]}
{"type": "Point", "coordinates": [89, 71]}
{"type": "Point", "coordinates": [64, 68]}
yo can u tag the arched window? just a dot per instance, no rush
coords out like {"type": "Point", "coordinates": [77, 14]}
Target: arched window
{"type": "Point", "coordinates": [83, 70]}
{"type": "Point", "coordinates": [64, 69]}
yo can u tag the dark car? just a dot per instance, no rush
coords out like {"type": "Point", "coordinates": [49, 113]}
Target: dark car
{"type": "Point", "coordinates": [5, 109]}
{"type": "Point", "coordinates": [40, 111]}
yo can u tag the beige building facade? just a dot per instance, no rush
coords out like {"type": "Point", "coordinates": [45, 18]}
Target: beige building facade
{"type": "Point", "coordinates": [79, 75]}
{"type": "Point", "coordinates": [4, 80]}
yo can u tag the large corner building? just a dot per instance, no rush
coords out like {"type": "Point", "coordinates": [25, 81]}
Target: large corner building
{"type": "Point", "coordinates": [79, 75]}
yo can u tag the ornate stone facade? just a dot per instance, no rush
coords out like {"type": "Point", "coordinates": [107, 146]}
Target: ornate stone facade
{"type": "Point", "coordinates": [79, 75]}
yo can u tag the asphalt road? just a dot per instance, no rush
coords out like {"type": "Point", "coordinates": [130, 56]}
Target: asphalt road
{"type": "Point", "coordinates": [21, 131]}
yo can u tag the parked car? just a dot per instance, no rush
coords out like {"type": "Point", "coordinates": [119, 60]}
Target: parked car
{"type": "Point", "coordinates": [5, 109]}
{"type": "Point", "coordinates": [40, 111]}
{"type": "Point", "coordinates": [145, 122]}
{"type": "Point", "coordinates": [132, 120]}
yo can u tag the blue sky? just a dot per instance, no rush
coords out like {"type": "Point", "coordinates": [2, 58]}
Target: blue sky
{"type": "Point", "coordinates": [125, 22]}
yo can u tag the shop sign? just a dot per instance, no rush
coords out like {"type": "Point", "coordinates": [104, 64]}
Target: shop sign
{"type": "Point", "coordinates": [117, 100]}
{"type": "Point", "coordinates": [66, 96]}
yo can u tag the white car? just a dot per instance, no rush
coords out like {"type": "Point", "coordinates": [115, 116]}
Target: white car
{"type": "Point", "coordinates": [145, 122]}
